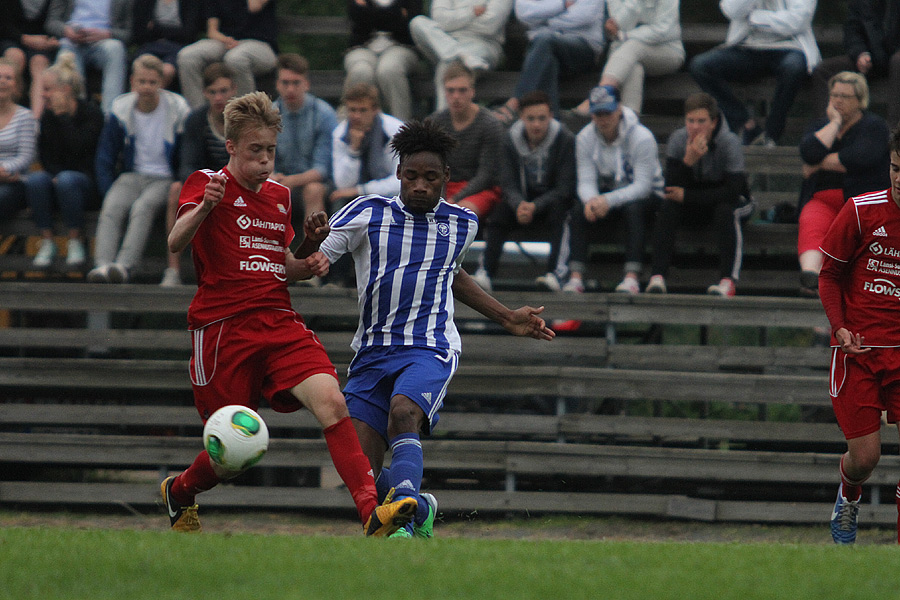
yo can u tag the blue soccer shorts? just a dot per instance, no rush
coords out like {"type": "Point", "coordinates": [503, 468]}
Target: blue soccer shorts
{"type": "Point", "coordinates": [379, 373]}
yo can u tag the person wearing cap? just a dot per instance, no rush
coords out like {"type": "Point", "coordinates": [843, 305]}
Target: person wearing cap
{"type": "Point", "coordinates": [706, 185]}
{"type": "Point", "coordinates": [618, 178]}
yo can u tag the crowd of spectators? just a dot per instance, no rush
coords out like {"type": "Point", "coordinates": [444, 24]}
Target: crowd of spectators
{"type": "Point", "coordinates": [126, 149]}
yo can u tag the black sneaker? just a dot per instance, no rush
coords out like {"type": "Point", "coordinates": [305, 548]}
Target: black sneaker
{"type": "Point", "coordinates": [182, 518]}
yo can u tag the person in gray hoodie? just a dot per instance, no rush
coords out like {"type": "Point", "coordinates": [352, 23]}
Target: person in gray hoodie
{"type": "Point", "coordinates": [706, 184]}
{"type": "Point", "coordinates": [619, 177]}
{"type": "Point", "coordinates": [538, 183]}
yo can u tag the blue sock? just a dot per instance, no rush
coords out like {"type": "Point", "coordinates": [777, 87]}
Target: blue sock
{"type": "Point", "coordinates": [405, 473]}
{"type": "Point", "coordinates": [383, 484]}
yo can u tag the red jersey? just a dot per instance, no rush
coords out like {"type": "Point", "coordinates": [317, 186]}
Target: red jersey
{"type": "Point", "coordinates": [239, 249]}
{"type": "Point", "coordinates": [860, 288]}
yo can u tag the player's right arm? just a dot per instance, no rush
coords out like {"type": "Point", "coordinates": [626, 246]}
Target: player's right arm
{"type": "Point", "coordinates": [187, 223]}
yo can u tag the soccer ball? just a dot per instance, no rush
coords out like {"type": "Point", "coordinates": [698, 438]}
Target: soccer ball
{"type": "Point", "coordinates": [235, 437]}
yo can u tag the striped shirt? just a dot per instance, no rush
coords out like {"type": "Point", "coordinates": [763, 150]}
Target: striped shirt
{"type": "Point", "coordinates": [405, 264]}
{"type": "Point", "coordinates": [18, 141]}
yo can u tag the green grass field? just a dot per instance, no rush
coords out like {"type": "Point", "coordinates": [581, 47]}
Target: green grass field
{"type": "Point", "coordinates": [50, 562]}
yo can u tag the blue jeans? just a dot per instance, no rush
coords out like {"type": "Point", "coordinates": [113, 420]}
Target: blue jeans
{"type": "Point", "coordinates": [549, 56]}
{"type": "Point", "coordinates": [12, 199]}
{"type": "Point", "coordinates": [71, 192]}
{"type": "Point", "coordinates": [714, 68]}
{"type": "Point", "coordinates": [110, 58]}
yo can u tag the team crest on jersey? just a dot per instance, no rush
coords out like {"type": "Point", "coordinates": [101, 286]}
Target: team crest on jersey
{"type": "Point", "coordinates": [240, 201]}
{"type": "Point", "coordinates": [244, 221]}
{"type": "Point", "coordinates": [443, 229]}
{"type": "Point", "coordinates": [281, 209]}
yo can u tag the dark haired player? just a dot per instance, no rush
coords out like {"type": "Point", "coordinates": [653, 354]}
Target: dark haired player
{"type": "Point", "coordinates": [408, 251]}
{"type": "Point", "coordinates": [860, 289]}
{"type": "Point", "coordinates": [247, 340]}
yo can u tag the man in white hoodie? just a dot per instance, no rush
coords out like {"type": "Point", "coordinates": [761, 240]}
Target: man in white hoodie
{"type": "Point", "coordinates": [619, 177]}
{"type": "Point", "coordinates": [765, 37]}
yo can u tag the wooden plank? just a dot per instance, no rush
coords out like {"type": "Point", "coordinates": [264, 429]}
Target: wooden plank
{"type": "Point", "coordinates": [663, 430]}
{"type": "Point", "coordinates": [544, 459]}
{"type": "Point", "coordinates": [617, 308]}
{"type": "Point", "coordinates": [747, 359]}
{"type": "Point", "coordinates": [708, 310]}
{"type": "Point", "coordinates": [477, 380]}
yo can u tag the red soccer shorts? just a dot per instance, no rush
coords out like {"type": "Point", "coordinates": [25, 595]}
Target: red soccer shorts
{"type": "Point", "coordinates": [484, 200]}
{"type": "Point", "coordinates": [816, 218]}
{"type": "Point", "coordinates": [862, 386]}
{"type": "Point", "coordinates": [260, 353]}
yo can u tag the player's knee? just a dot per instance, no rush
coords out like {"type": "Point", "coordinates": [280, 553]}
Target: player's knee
{"type": "Point", "coordinates": [405, 416]}
{"type": "Point", "coordinates": [331, 407]}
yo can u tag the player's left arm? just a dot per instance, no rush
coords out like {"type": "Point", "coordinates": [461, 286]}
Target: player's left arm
{"type": "Point", "coordinates": [314, 265]}
{"type": "Point", "coordinates": [524, 321]}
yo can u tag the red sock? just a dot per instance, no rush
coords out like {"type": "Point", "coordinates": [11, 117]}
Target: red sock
{"type": "Point", "coordinates": [852, 490]}
{"type": "Point", "coordinates": [199, 477]}
{"type": "Point", "coordinates": [897, 498]}
{"type": "Point", "coordinates": [352, 465]}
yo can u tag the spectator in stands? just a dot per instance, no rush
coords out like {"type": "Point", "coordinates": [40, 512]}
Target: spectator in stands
{"type": "Point", "coordinates": [141, 136]}
{"type": "Point", "coordinates": [844, 155]}
{"type": "Point", "coordinates": [18, 131]}
{"type": "Point", "coordinates": [706, 184]}
{"type": "Point", "coordinates": [163, 27]}
{"type": "Point", "coordinates": [362, 157]}
{"type": "Point", "coordinates": [243, 34]}
{"type": "Point", "coordinates": [564, 39]}
{"type": "Point", "coordinates": [24, 41]}
{"type": "Point", "coordinates": [382, 51]}
{"type": "Point", "coordinates": [474, 177]}
{"type": "Point", "coordinates": [303, 160]}
{"type": "Point", "coordinates": [202, 147]}
{"type": "Point", "coordinates": [363, 160]}
{"type": "Point", "coordinates": [645, 38]}
{"type": "Point", "coordinates": [467, 31]}
{"type": "Point", "coordinates": [872, 48]}
{"type": "Point", "coordinates": [765, 37]}
{"type": "Point", "coordinates": [538, 183]}
{"type": "Point", "coordinates": [69, 131]}
{"type": "Point", "coordinates": [619, 178]}
{"type": "Point", "coordinates": [98, 32]}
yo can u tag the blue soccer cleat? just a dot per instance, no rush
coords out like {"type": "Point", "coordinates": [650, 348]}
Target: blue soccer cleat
{"type": "Point", "coordinates": [844, 518]}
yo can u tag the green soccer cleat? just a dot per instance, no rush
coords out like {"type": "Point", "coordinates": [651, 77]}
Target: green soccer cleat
{"type": "Point", "coordinates": [403, 532]}
{"type": "Point", "coordinates": [182, 518]}
{"type": "Point", "coordinates": [390, 516]}
{"type": "Point", "coordinates": [426, 529]}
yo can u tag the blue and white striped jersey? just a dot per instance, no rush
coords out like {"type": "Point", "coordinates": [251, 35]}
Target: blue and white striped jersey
{"type": "Point", "coordinates": [405, 263]}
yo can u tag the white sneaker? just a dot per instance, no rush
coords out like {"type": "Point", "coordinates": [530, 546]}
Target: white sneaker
{"type": "Point", "coordinates": [656, 285]}
{"type": "Point", "coordinates": [475, 63]}
{"type": "Point", "coordinates": [98, 274]}
{"type": "Point", "coordinates": [117, 273]}
{"type": "Point", "coordinates": [482, 279]}
{"type": "Point", "coordinates": [45, 254]}
{"type": "Point", "coordinates": [574, 286]}
{"type": "Point", "coordinates": [171, 278]}
{"type": "Point", "coordinates": [629, 285]}
{"type": "Point", "coordinates": [549, 281]}
{"type": "Point", "coordinates": [75, 254]}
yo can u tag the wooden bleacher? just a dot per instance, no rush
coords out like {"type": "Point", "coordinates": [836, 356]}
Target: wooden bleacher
{"type": "Point", "coordinates": [609, 422]}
